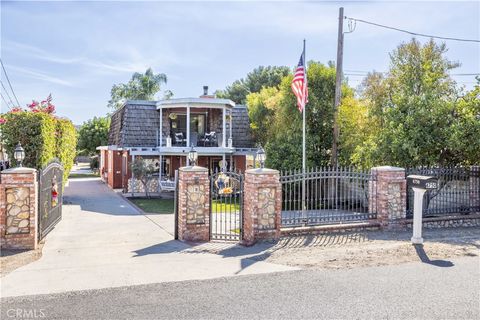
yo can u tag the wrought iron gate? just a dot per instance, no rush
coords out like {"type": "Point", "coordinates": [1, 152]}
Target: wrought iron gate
{"type": "Point", "coordinates": [226, 206]}
{"type": "Point", "coordinates": [50, 198]}
{"type": "Point", "coordinates": [332, 195]}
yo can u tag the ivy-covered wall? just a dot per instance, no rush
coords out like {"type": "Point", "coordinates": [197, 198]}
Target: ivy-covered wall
{"type": "Point", "coordinates": [66, 145]}
{"type": "Point", "coordinates": [42, 135]}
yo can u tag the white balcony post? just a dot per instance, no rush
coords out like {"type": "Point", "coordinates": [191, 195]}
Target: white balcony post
{"type": "Point", "coordinates": [224, 124]}
{"type": "Point", "coordinates": [231, 117]}
{"type": "Point", "coordinates": [188, 126]}
{"type": "Point", "coordinates": [161, 126]}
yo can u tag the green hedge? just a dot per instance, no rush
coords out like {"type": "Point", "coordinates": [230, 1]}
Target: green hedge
{"type": "Point", "coordinates": [66, 145]}
{"type": "Point", "coordinates": [42, 135]}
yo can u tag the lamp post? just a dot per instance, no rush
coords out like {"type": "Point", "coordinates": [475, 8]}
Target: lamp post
{"type": "Point", "coordinates": [19, 154]}
{"type": "Point", "coordinates": [261, 157]}
{"type": "Point", "coordinates": [192, 156]}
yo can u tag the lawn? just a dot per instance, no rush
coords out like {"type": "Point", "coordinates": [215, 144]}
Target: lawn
{"type": "Point", "coordinates": [219, 206]}
{"type": "Point", "coordinates": [164, 206]}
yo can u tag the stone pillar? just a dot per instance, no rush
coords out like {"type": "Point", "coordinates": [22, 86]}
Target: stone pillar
{"type": "Point", "coordinates": [389, 196]}
{"type": "Point", "coordinates": [193, 204]}
{"type": "Point", "coordinates": [262, 205]}
{"type": "Point", "coordinates": [475, 188]}
{"type": "Point", "coordinates": [19, 209]}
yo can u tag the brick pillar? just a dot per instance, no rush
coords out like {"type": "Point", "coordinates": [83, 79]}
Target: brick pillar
{"type": "Point", "coordinates": [193, 204]}
{"type": "Point", "coordinates": [475, 188]}
{"type": "Point", "coordinates": [389, 196]}
{"type": "Point", "coordinates": [18, 208]}
{"type": "Point", "coordinates": [262, 205]}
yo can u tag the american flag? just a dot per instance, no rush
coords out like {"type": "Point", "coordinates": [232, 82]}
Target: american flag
{"type": "Point", "coordinates": [299, 84]}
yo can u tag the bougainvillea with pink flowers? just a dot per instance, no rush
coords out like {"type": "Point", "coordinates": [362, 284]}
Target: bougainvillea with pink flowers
{"type": "Point", "coordinates": [43, 106]}
{"type": "Point", "coordinates": [43, 135]}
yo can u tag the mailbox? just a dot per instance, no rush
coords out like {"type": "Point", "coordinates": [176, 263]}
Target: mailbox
{"type": "Point", "coordinates": [422, 182]}
{"type": "Point", "coordinates": [420, 185]}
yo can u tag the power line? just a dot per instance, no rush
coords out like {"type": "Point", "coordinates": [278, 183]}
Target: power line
{"type": "Point", "coordinates": [6, 102]}
{"type": "Point", "coordinates": [412, 33]}
{"type": "Point", "coordinates": [11, 101]}
{"type": "Point", "coordinates": [8, 80]}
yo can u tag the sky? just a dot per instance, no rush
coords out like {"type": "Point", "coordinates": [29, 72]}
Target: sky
{"type": "Point", "coordinates": [77, 50]}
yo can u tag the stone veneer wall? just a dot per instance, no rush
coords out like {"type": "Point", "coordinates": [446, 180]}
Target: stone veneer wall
{"type": "Point", "coordinates": [389, 195]}
{"type": "Point", "coordinates": [18, 208]}
{"type": "Point", "coordinates": [472, 220]}
{"type": "Point", "coordinates": [139, 188]}
{"type": "Point", "coordinates": [262, 205]}
{"type": "Point", "coordinates": [193, 204]}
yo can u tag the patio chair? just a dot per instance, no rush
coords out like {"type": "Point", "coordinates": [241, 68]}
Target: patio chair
{"type": "Point", "coordinates": [178, 139]}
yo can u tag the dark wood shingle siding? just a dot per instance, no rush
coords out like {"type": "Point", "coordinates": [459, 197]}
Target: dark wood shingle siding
{"type": "Point", "coordinates": [114, 133]}
{"type": "Point", "coordinates": [241, 133]}
{"type": "Point", "coordinates": [134, 125]}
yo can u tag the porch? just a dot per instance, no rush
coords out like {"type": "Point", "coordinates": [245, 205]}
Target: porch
{"type": "Point", "coordinates": [198, 122]}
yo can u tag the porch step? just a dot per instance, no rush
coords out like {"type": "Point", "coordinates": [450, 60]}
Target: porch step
{"type": "Point", "coordinates": [342, 227]}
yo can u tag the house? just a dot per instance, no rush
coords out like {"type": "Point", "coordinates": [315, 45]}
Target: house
{"type": "Point", "coordinates": [157, 131]}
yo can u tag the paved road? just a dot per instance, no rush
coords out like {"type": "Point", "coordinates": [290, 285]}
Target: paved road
{"type": "Point", "coordinates": [102, 242]}
{"type": "Point", "coordinates": [407, 291]}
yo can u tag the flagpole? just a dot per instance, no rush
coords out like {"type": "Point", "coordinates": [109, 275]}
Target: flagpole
{"type": "Point", "coordinates": [303, 140]}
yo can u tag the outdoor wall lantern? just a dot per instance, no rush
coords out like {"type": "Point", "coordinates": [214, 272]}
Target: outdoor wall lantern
{"type": "Point", "coordinates": [192, 156]}
{"type": "Point", "coordinates": [19, 154]}
{"type": "Point", "coordinates": [261, 157]}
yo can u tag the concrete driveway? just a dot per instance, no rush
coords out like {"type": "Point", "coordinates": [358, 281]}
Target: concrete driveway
{"type": "Point", "coordinates": [102, 241]}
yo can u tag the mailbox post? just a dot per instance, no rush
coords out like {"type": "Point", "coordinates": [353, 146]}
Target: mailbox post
{"type": "Point", "coordinates": [419, 184]}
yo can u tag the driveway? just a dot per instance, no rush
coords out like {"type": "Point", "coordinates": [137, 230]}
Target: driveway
{"type": "Point", "coordinates": [102, 242]}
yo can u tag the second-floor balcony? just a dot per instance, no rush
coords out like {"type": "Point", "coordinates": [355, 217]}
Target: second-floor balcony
{"type": "Point", "coordinates": [198, 122]}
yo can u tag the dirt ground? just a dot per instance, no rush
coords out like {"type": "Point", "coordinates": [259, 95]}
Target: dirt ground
{"type": "Point", "coordinates": [374, 248]}
{"type": "Point", "coordinates": [13, 259]}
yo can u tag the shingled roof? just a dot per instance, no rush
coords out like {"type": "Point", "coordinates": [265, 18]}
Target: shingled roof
{"type": "Point", "coordinates": [136, 124]}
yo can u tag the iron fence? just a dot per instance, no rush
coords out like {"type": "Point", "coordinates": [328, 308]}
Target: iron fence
{"type": "Point", "coordinates": [332, 195]}
{"type": "Point", "coordinates": [458, 191]}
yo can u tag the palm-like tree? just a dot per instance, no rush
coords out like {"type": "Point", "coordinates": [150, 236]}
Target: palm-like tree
{"type": "Point", "coordinates": [147, 84]}
{"type": "Point", "coordinates": [142, 86]}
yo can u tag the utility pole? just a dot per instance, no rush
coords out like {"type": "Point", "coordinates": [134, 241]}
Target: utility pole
{"type": "Point", "coordinates": [338, 88]}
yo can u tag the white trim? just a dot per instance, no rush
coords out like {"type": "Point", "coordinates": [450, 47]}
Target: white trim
{"type": "Point", "coordinates": [188, 126]}
{"type": "Point", "coordinates": [224, 127]}
{"type": "Point", "coordinates": [196, 101]}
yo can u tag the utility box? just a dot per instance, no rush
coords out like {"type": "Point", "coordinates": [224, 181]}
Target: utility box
{"type": "Point", "coordinates": [419, 184]}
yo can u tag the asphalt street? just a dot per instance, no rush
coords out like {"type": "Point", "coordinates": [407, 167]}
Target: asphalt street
{"type": "Point", "coordinates": [435, 290]}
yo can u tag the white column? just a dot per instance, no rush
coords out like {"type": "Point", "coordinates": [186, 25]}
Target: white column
{"type": "Point", "coordinates": [161, 126]}
{"type": "Point", "coordinates": [224, 124]}
{"type": "Point", "coordinates": [132, 180]}
{"type": "Point", "coordinates": [160, 174]}
{"type": "Point", "coordinates": [231, 117]}
{"type": "Point", "coordinates": [188, 126]}
{"type": "Point", "coordinates": [417, 215]}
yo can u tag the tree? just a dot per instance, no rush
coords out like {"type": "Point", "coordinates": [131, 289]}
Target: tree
{"type": "Point", "coordinates": [257, 79]}
{"type": "Point", "coordinates": [92, 134]}
{"type": "Point", "coordinates": [414, 107]}
{"type": "Point", "coordinates": [261, 110]}
{"type": "Point", "coordinates": [142, 86]}
{"type": "Point", "coordinates": [144, 172]}
{"type": "Point", "coordinates": [284, 148]}
{"type": "Point", "coordinates": [465, 130]}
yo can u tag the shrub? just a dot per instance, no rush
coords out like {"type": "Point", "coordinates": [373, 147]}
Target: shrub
{"type": "Point", "coordinates": [66, 145]}
{"type": "Point", "coordinates": [36, 131]}
{"type": "Point", "coordinates": [43, 136]}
